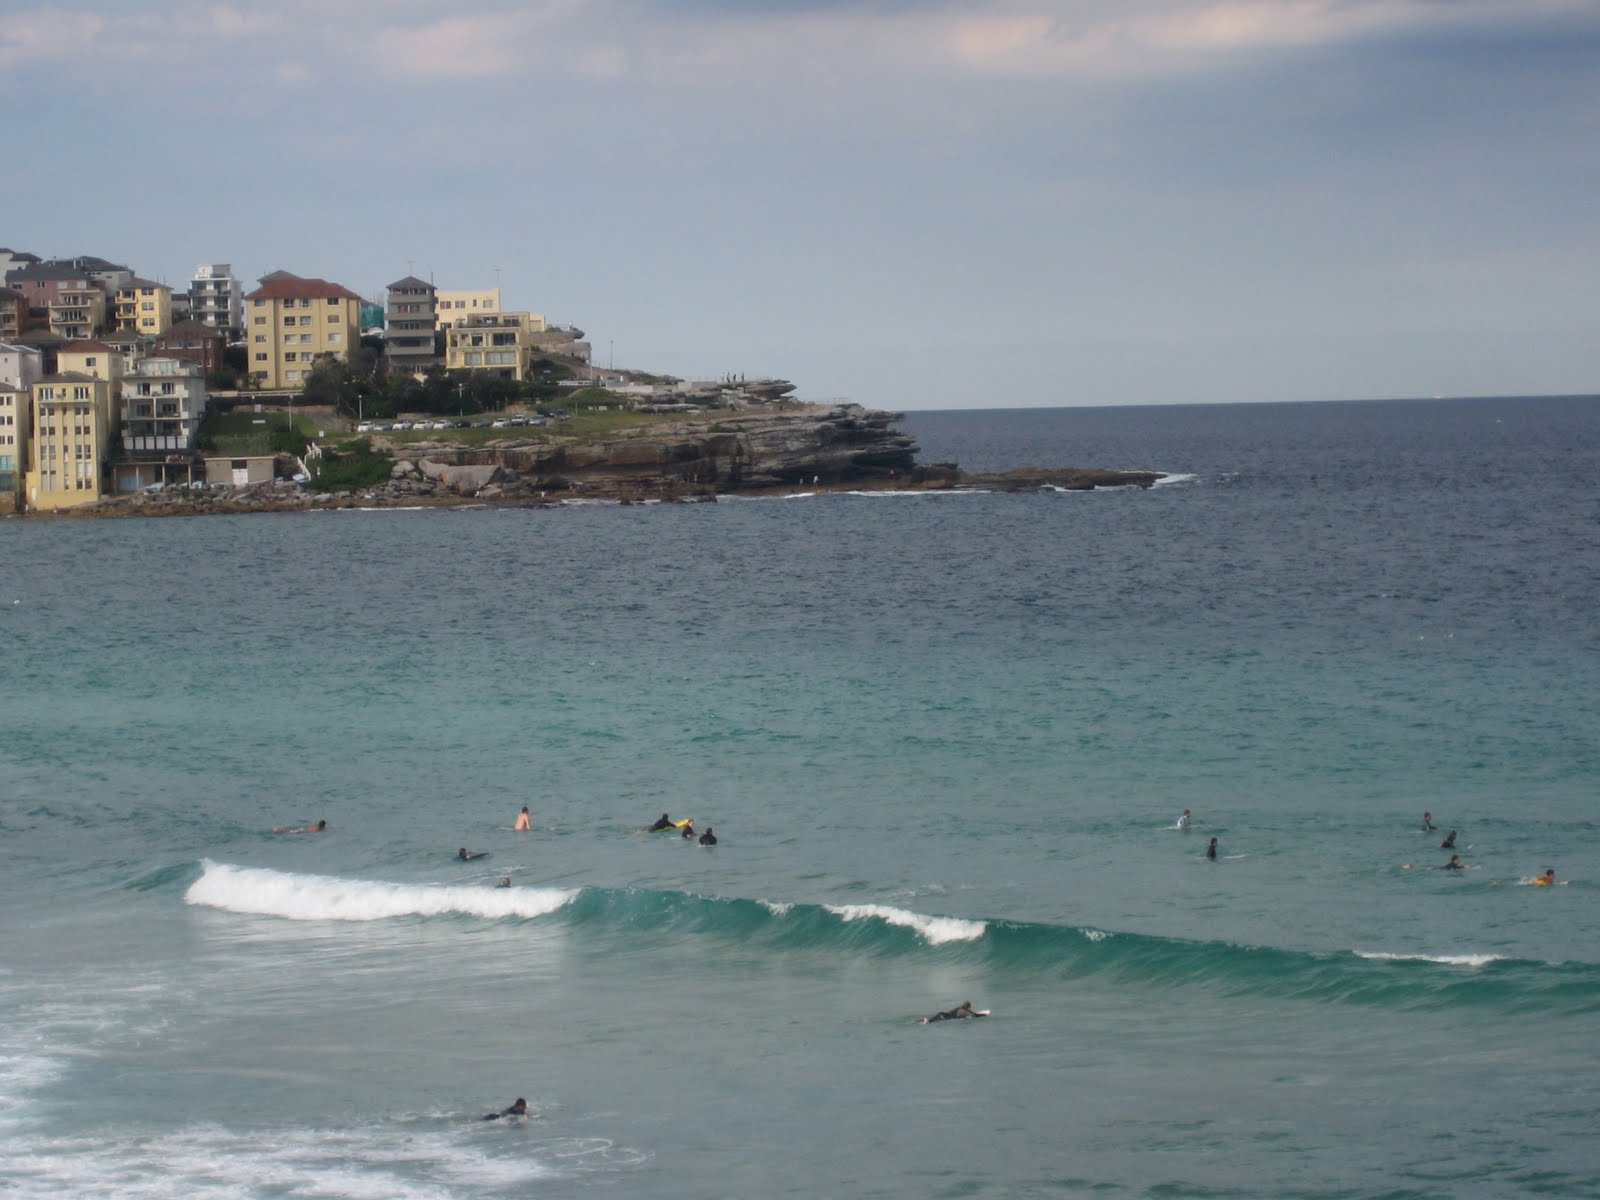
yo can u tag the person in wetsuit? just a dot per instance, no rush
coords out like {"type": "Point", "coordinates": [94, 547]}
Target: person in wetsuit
{"type": "Point", "coordinates": [709, 837]}
{"type": "Point", "coordinates": [1449, 842]}
{"type": "Point", "coordinates": [519, 1109]}
{"type": "Point", "coordinates": [1211, 850]}
{"type": "Point", "coordinates": [467, 856]}
{"type": "Point", "coordinates": [1455, 864]}
{"type": "Point", "coordinates": [1427, 822]}
{"type": "Point", "coordinates": [959, 1013]}
{"type": "Point", "coordinates": [688, 829]}
{"type": "Point", "coordinates": [664, 823]}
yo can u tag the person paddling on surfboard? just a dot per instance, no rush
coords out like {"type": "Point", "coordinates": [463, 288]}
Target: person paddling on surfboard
{"type": "Point", "coordinates": [664, 823]}
{"type": "Point", "coordinates": [319, 827]}
{"type": "Point", "coordinates": [519, 1109]}
{"type": "Point", "coordinates": [959, 1013]}
{"type": "Point", "coordinates": [467, 856]}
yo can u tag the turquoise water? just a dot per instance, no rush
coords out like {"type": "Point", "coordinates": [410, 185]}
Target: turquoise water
{"type": "Point", "coordinates": [943, 741]}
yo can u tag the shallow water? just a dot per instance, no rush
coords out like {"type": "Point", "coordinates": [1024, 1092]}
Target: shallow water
{"type": "Point", "coordinates": [943, 741]}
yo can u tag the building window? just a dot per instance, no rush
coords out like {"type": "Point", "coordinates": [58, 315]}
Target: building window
{"type": "Point", "coordinates": [333, 318]}
{"type": "Point", "coordinates": [305, 320]}
{"type": "Point", "coordinates": [294, 375]}
{"type": "Point", "coordinates": [261, 337]}
{"type": "Point", "coordinates": [289, 321]}
{"type": "Point", "coordinates": [260, 320]}
{"type": "Point", "coordinates": [261, 356]}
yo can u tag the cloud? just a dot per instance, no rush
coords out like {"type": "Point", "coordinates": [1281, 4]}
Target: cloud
{"type": "Point", "coordinates": [47, 35]}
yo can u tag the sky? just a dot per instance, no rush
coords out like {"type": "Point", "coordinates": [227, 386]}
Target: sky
{"type": "Point", "coordinates": [910, 205]}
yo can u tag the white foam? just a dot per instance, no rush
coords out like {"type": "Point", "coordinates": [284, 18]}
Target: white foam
{"type": "Point", "coordinates": [1095, 935]}
{"type": "Point", "coordinates": [923, 492]}
{"type": "Point", "coordinates": [263, 892]}
{"type": "Point", "coordinates": [1167, 480]}
{"type": "Point", "coordinates": [202, 1162]}
{"type": "Point", "coordinates": [933, 930]}
{"type": "Point", "coordinates": [1451, 960]}
{"type": "Point", "coordinates": [778, 908]}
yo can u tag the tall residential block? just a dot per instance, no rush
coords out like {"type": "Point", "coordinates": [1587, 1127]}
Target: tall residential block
{"type": "Point", "coordinates": [70, 444]}
{"type": "Point", "coordinates": [409, 325]}
{"type": "Point", "coordinates": [292, 322]}
{"type": "Point", "coordinates": [216, 297]}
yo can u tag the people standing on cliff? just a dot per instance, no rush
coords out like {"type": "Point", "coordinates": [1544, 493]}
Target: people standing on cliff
{"type": "Point", "coordinates": [524, 821]}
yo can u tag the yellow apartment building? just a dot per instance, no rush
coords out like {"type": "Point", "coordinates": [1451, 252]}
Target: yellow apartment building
{"type": "Point", "coordinates": [92, 358]}
{"type": "Point", "coordinates": [454, 307]}
{"type": "Point", "coordinates": [144, 307]}
{"type": "Point", "coordinates": [79, 312]}
{"type": "Point", "coordinates": [70, 445]}
{"type": "Point", "coordinates": [497, 342]}
{"type": "Point", "coordinates": [15, 406]}
{"type": "Point", "coordinates": [291, 321]}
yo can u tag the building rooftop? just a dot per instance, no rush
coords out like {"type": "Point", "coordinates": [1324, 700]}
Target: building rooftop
{"type": "Point", "coordinates": [137, 282]}
{"type": "Point", "coordinates": [70, 377]}
{"type": "Point", "coordinates": [87, 346]}
{"type": "Point", "coordinates": [281, 285]}
{"type": "Point", "coordinates": [411, 281]}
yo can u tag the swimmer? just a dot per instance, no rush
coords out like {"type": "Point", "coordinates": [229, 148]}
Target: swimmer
{"type": "Point", "coordinates": [709, 837]}
{"type": "Point", "coordinates": [959, 1013]}
{"type": "Point", "coordinates": [1211, 850]}
{"type": "Point", "coordinates": [1455, 864]}
{"type": "Point", "coordinates": [688, 829]}
{"type": "Point", "coordinates": [464, 856]}
{"type": "Point", "coordinates": [1449, 842]}
{"type": "Point", "coordinates": [319, 827]}
{"type": "Point", "coordinates": [1427, 822]}
{"type": "Point", "coordinates": [1183, 821]}
{"type": "Point", "coordinates": [1545, 880]}
{"type": "Point", "coordinates": [524, 821]}
{"type": "Point", "coordinates": [519, 1109]}
{"type": "Point", "coordinates": [505, 881]}
{"type": "Point", "coordinates": [664, 823]}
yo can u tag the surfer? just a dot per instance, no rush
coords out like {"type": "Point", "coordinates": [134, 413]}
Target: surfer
{"type": "Point", "coordinates": [1427, 822]}
{"type": "Point", "coordinates": [1455, 864]}
{"type": "Point", "coordinates": [1211, 850]}
{"type": "Point", "coordinates": [1449, 842]}
{"type": "Point", "coordinates": [664, 823]}
{"type": "Point", "coordinates": [1546, 879]}
{"type": "Point", "coordinates": [524, 821]}
{"type": "Point", "coordinates": [959, 1013]}
{"type": "Point", "coordinates": [1183, 821]}
{"type": "Point", "coordinates": [519, 1109]}
{"type": "Point", "coordinates": [505, 881]}
{"type": "Point", "coordinates": [317, 828]}
{"type": "Point", "coordinates": [709, 837]}
{"type": "Point", "coordinates": [465, 856]}
{"type": "Point", "coordinates": [688, 829]}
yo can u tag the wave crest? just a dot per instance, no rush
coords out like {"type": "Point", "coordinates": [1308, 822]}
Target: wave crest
{"type": "Point", "coordinates": [259, 891]}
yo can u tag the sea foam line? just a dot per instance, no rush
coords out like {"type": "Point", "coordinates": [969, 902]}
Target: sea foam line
{"type": "Point", "coordinates": [1451, 960]}
{"type": "Point", "coordinates": [933, 930]}
{"type": "Point", "coordinates": [260, 891]}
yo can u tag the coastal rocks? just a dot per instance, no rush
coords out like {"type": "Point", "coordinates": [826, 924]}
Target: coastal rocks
{"type": "Point", "coordinates": [464, 480]}
{"type": "Point", "coordinates": [403, 469]}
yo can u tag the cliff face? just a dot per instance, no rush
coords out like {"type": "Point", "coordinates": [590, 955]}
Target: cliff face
{"type": "Point", "coordinates": [844, 444]}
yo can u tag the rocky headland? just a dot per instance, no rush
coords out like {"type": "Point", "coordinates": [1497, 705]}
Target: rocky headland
{"type": "Point", "coordinates": [837, 447]}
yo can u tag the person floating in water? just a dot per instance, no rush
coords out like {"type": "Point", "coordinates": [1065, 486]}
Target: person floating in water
{"type": "Point", "coordinates": [319, 827]}
{"type": "Point", "coordinates": [524, 821]}
{"type": "Point", "coordinates": [466, 856]}
{"type": "Point", "coordinates": [1427, 822]}
{"type": "Point", "coordinates": [664, 823]}
{"type": "Point", "coordinates": [709, 837]}
{"type": "Point", "coordinates": [1183, 821]}
{"type": "Point", "coordinates": [959, 1013]}
{"type": "Point", "coordinates": [505, 881]}
{"type": "Point", "coordinates": [1211, 850]}
{"type": "Point", "coordinates": [1455, 864]}
{"type": "Point", "coordinates": [688, 829]}
{"type": "Point", "coordinates": [1546, 879]}
{"type": "Point", "coordinates": [519, 1109]}
{"type": "Point", "coordinates": [1449, 842]}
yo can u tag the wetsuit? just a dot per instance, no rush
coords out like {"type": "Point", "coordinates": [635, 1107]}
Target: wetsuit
{"type": "Point", "coordinates": [664, 823]}
{"type": "Point", "coordinates": [1211, 853]}
{"type": "Point", "coordinates": [1449, 843]}
{"type": "Point", "coordinates": [1454, 866]}
{"type": "Point", "coordinates": [519, 1109]}
{"type": "Point", "coordinates": [708, 838]}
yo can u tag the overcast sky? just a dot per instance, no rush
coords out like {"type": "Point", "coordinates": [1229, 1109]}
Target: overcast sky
{"type": "Point", "coordinates": [910, 204]}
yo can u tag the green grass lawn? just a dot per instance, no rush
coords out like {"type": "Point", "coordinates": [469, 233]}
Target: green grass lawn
{"type": "Point", "coordinates": [247, 432]}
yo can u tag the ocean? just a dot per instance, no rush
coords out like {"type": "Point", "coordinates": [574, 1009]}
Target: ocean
{"type": "Point", "coordinates": [943, 739]}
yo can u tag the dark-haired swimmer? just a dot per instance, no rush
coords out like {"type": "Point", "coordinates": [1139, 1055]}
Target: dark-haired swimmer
{"type": "Point", "coordinates": [1211, 850]}
{"type": "Point", "coordinates": [1427, 822]}
{"type": "Point", "coordinates": [959, 1013]}
{"type": "Point", "coordinates": [664, 823]}
{"type": "Point", "coordinates": [1546, 879]}
{"type": "Point", "coordinates": [1455, 864]}
{"type": "Point", "coordinates": [317, 828]}
{"type": "Point", "coordinates": [465, 856]}
{"type": "Point", "coordinates": [519, 1109]}
{"type": "Point", "coordinates": [709, 837]}
{"type": "Point", "coordinates": [688, 829]}
{"type": "Point", "coordinates": [1449, 842]}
